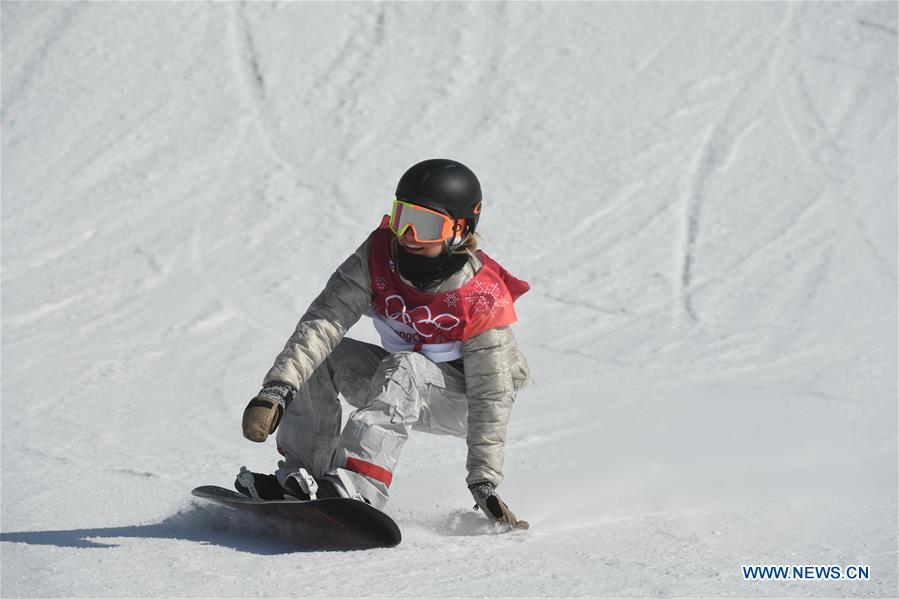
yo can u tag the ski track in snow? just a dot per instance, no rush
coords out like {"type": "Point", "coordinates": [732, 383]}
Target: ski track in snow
{"type": "Point", "coordinates": [719, 149]}
{"type": "Point", "coordinates": [251, 77]}
{"type": "Point", "coordinates": [709, 329]}
{"type": "Point", "coordinates": [14, 93]}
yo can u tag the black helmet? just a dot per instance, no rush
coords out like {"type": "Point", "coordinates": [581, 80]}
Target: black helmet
{"type": "Point", "coordinates": [443, 185]}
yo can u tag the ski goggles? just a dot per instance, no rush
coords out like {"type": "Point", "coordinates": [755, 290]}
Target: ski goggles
{"type": "Point", "coordinates": [428, 226]}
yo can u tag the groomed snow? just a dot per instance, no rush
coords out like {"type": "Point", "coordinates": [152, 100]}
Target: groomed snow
{"type": "Point", "coordinates": [703, 197]}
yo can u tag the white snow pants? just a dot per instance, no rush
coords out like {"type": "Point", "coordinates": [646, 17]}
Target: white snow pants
{"type": "Point", "coordinates": [393, 393]}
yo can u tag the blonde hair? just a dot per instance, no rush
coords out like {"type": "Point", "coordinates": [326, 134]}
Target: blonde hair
{"type": "Point", "coordinates": [468, 245]}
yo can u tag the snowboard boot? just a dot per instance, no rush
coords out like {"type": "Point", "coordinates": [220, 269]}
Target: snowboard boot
{"type": "Point", "coordinates": [297, 485]}
{"type": "Point", "coordinates": [259, 486]}
{"type": "Point", "coordinates": [268, 487]}
{"type": "Point", "coordinates": [302, 485]}
{"type": "Point", "coordinates": [339, 482]}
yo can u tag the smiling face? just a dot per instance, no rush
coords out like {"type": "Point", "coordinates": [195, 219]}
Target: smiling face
{"type": "Point", "coordinates": [431, 250]}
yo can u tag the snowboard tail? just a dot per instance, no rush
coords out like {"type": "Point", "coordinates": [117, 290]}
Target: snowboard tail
{"type": "Point", "coordinates": [336, 520]}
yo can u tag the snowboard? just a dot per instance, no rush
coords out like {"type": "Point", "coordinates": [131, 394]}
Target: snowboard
{"type": "Point", "coordinates": [332, 521]}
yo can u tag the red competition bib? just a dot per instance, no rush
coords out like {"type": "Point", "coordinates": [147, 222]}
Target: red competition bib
{"type": "Point", "coordinates": [483, 303]}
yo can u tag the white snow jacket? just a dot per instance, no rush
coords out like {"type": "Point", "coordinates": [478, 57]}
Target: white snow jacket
{"type": "Point", "coordinates": [494, 367]}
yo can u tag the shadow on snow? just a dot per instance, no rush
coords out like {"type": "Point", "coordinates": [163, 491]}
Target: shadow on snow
{"type": "Point", "coordinates": [210, 525]}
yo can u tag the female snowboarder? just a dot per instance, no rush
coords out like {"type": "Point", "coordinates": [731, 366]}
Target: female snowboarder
{"type": "Point", "coordinates": [448, 363]}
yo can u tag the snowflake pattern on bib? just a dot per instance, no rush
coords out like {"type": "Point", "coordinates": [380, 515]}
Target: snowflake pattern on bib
{"type": "Point", "coordinates": [487, 298]}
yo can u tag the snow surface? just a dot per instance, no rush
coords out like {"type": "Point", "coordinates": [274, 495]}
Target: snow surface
{"type": "Point", "coordinates": [703, 197]}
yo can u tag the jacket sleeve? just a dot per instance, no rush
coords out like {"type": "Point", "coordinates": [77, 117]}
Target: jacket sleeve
{"type": "Point", "coordinates": [337, 308]}
{"type": "Point", "coordinates": [494, 371]}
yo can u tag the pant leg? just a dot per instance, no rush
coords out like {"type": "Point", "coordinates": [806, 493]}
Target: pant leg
{"type": "Point", "coordinates": [445, 408]}
{"type": "Point", "coordinates": [310, 428]}
{"type": "Point", "coordinates": [400, 398]}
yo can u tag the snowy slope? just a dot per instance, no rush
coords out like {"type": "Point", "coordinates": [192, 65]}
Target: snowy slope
{"type": "Point", "coordinates": [703, 197]}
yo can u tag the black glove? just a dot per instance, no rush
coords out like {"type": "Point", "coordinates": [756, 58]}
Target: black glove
{"type": "Point", "coordinates": [488, 501]}
{"type": "Point", "coordinates": [263, 413]}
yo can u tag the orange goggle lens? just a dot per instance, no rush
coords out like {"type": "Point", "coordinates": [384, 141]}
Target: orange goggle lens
{"type": "Point", "coordinates": [428, 226]}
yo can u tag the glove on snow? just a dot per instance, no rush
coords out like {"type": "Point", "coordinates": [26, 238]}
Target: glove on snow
{"type": "Point", "coordinates": [489, 502]}
{"type": "Point", "coordinates": [263, 413]}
